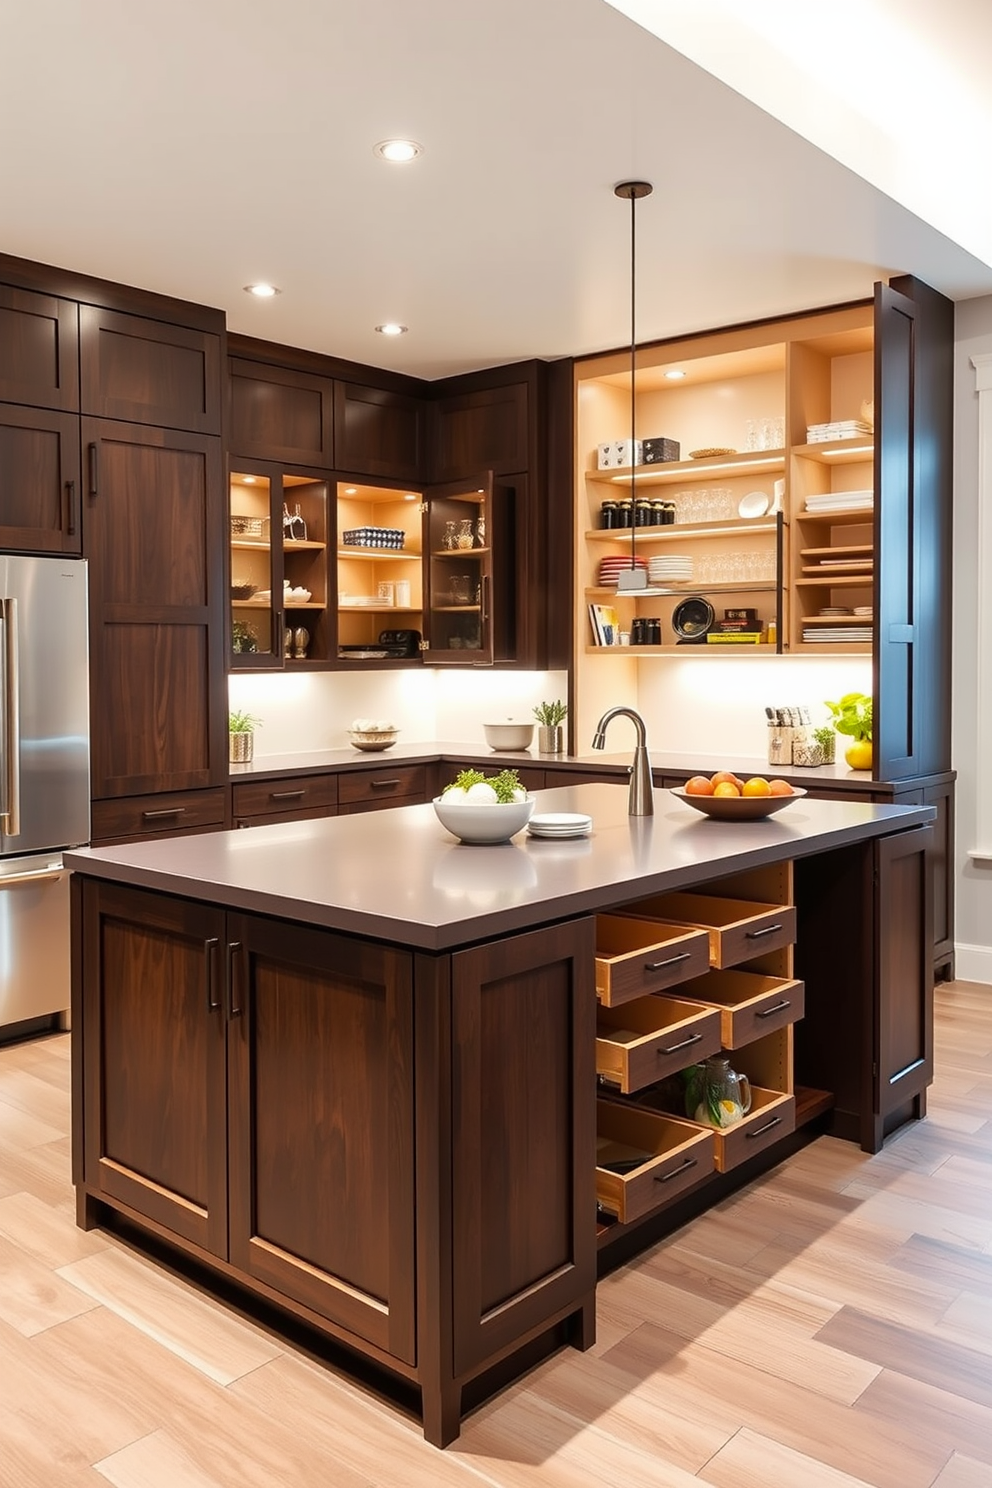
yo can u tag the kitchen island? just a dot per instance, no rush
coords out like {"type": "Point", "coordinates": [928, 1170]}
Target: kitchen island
{"type": "Point", "coordinates": [350, 1065]}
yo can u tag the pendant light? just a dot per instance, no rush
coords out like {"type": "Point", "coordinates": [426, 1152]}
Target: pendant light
{"type": "Point", "coordinates": [633, 580]}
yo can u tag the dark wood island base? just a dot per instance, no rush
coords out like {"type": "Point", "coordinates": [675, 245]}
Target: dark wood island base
{"type": "Point", "coordinates": [351, 1066]}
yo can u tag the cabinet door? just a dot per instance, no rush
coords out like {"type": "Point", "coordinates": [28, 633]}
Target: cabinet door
{"type": "Point", "coordinates": [278, 414]}
{"type": "Point", "coordinates": [378, 433]}
{"type": "Point", "coordinates": [154, 526]}
{"type": "Point", "coordinates": [903, 1063]}
{"type": "Point", "coordinates": [321, 1125]}
{"type": "Point", "coordinates": [153, 1042]}
{"type": "Point", "coordinates": [469, 604]}
{"type": "Point", "coordinates": [39, 481]}
{"type": "Point", "coordinates": [481, 430]}
{"type": "Point", "coordinates": [39, 350]}
{"type": "Point", "coordinates": [523, 1133]}
{"type": "Point", "coordinates": [149, 372]}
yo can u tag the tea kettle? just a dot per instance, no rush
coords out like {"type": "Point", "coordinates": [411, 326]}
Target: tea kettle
{"type": "Point", "coordinates": [715, 1094]}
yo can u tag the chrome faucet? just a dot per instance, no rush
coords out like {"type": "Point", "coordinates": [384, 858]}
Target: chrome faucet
{"type": "Point", "coordinates": [640, 801]}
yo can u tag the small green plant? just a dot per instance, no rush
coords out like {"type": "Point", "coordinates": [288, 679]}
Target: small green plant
{"type": "Point", "coordinates": [505, 784]}
{"type": "Point", "coordinates": [824, 736]}
{"type": "Point", "coordinates": [550, 715]}
{"type": "Point", "coordinates": [852, 715]}
{"type": "Point", "coordinates": [242, 723]}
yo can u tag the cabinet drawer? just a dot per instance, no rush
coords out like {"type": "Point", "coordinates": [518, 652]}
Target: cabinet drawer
{"type": "Point", "coordinates": [772, 1116]}
{"type": "Point", "coordinates": [273, 818]}
{"type": "Point", "coordinates": [636, 956]}
{"type": "Point", "coordinates": [749, 1005]}
{"type": "Point", "coordinates": [737, 928]}
{"type": "Point", "coordinates": [296, 793]}
{"type": "Point", "coordinates": [146, 816]}
{"type": "Point", "coordinates": [373, 786]}
{"type": "Point", "coordinates": [651, 1038]}
{"type": "Point", "coordinates": [660, 1157]}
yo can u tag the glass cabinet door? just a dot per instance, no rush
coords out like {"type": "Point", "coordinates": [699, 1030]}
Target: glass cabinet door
{"type": "Point", "coordinates": [255, 573]}
{"type": "Point", "coordinates": [458, 535]}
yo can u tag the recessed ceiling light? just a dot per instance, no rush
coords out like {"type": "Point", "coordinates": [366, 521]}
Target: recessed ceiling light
{"type": "Point", "coordinates": [391, 328]}
{"type": "Point", "coordinates": [675, 374]}
{"type": "Point", "coordinates": [411, 496]}
{"type": "Point", "coordinates": [399, 151]}
{"type": "Point", "coordinates": [262, 291]}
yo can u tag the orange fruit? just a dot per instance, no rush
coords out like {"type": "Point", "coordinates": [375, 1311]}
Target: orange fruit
{"type": "Point", "coordinates": [779, 788]}
{"type": "Point", "coordinates": [699, 785]}
{"type": "Point", "coordinates": [725, 777]}
{"type": "Point", "coordinates": [726, 788]}
{"type": "Point", "coordinates": [756, 786]}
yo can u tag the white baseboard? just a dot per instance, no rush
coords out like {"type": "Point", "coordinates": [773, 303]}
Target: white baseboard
{"type": "Point", "coordinates": [973, 963]}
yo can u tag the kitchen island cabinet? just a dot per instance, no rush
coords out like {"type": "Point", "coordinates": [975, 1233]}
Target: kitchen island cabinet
{"type": "Point", "coordinates": [350, 1064]}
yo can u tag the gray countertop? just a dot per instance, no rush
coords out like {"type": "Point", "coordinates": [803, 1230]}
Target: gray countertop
{"type": "Point", "coordinates": [397, 875]}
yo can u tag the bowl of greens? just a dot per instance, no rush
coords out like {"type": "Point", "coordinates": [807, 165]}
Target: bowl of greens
{"type": "Point", "coordinates": [480, 809]}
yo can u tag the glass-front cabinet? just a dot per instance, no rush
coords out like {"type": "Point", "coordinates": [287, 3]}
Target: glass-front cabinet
{"type": "Point", "coordinates": [279, 594]}
{"type": "Point", "coordinates": [458, 536]}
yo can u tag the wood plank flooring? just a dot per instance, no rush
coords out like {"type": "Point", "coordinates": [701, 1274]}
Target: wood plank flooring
{"type": "Point", "coordinates": [829, 1327]}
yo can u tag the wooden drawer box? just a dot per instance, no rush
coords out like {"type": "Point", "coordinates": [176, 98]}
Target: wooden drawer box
{"type": "Point", "coordinates": [749, 1005]}
{"type": "Point", "coordinates": [651, 1038]}
{"type": "Point", "coordinates": [737, 928]}
{"type": "Point", "coordinates": [661, 1157]}
{"type": "Point", "coordinates": [636, 956]}
{"type": "Point", "coordinates": [363, 788]}
{"type": "Point", "coordinates": [147, 816]}
{"type": "Point", "coordinates": [296, 793]}
{"type": "Point", "coordinates": [771, 1117]}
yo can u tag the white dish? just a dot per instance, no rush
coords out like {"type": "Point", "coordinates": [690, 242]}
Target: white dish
{"type": "Point", "coordinates": [483, 822]}
{"type": "Point", "coordinates": [510, 734]}
{"type": "Point", "coordinates": [560, 824]}
{"type": "Point", "coordinates": [754, 504]}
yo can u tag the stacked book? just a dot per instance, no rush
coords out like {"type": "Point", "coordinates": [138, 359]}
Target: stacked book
{"type": "Point", "coordinates": [841, 429]}
{"type": "Point", "coordinates": [836, 635]}
{"type": "Point", "coordinates": [840, 501]}
{"type": "Point", "coordinates": [605, 625]}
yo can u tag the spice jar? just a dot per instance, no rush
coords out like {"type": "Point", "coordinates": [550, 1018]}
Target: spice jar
{"type": "Point", "coordinates": [625, 515]}
{"type": "Point", "coordinates": [608, 514]}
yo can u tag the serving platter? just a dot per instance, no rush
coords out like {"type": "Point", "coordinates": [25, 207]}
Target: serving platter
{"type": "Point", "coordinates": [737, 808]}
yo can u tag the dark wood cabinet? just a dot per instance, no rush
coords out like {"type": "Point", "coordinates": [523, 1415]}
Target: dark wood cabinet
{"type": "Point", "coordinates": [149, 371]}
{"type": "Point", "coordinates": [278, 413]}
{"type": "Point", "coordinates": [902, 1068]}
{"type": "Point", "coordinates": [486, 428]}
{"type": "Point", "coordinates": [39, 350]}
{"type": "Point", "coordinates": [153, 520]}
{"type": "Point", "coordinates": [40, 494]}
{"type": "Point", "coordinates": [378, 432]}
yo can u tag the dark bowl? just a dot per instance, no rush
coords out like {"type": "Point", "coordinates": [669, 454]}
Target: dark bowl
{"type": "Point", "coordinates": [693, 617]}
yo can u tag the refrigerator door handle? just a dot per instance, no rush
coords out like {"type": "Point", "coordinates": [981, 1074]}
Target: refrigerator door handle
{"type": "Point", "coordinates": [40, 875]}
{"type": "Point", "coordinates": [10, 691]}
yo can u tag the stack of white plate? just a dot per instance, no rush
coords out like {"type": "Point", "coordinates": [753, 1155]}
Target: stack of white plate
{"type": "Point", "coordinates": [560, 824]}
{"type": "Point", "coordinates": [669, 568]}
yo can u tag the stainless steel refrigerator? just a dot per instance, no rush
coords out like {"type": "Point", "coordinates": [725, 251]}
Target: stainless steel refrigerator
{"type": "Point", "coordinates": [44, 779]}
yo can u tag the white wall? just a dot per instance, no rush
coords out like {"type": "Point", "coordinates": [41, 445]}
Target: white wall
{"type": "Point", "coordinates": [973, 919]}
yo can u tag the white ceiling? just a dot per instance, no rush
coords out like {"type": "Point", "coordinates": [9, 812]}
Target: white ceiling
{"type": "Point", "coordinates": [196, 147]}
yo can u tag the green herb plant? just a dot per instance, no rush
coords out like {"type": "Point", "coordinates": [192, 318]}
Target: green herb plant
{"type": "Point", "coordinates": [504, 784]}
{"type": "Point", "coordinates": [550, 715]}
{"type": "Point", "coordinates": [852, 715]}
{"type": "Point", "coordinates": [824, 735]}
{"type": "Point", "coordinates": [242, 723]}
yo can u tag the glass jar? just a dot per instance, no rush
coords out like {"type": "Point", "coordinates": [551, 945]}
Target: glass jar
{"type": "Point", "coordinates": [625, 512]}
{"type": "Point", "coordinates": [450, 539]}
{"type": "Point", "coordinates": [466, 534]}
{"type": "Point", "coordinates": [608, 514]}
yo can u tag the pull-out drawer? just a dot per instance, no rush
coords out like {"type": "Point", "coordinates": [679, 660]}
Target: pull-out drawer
{"type": "Point", "coordinates": [749, 1005]}
{"type": "Point", "coordinates": [644, 1160]}
{"type": "Point", "coordinates": [153, 816]}
{"type": "Point", "coordinates": [737, 928]}
{"type": "Point", "coordinates": [651, 1038]}
{"type": "Point", "coordinates": [360, 789]}
{"type": "Point", "coordinates": [638, 956]}
{"type": "Point", "coordinates": [772, 1116]}
{"type": "Point", "coordinates": [298, 793]}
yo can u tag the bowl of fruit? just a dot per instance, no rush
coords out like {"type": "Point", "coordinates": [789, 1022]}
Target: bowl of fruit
{"type": "Point", "coordinates": [727, 797]}
{"type": "Point", "coordinates": [477, 808]}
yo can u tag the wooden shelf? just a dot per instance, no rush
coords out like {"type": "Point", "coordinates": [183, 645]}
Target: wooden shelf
{"type": "Point", "coordinates": [681, 531]}
{"type": "Point", "coordinates": [739, 648]}
{"type": "Point", "coordinates": [866, 549]}
{"type": "Point", "coordinates": [839, 518]}
{"type": "Point", "coordinates": [837, 451]}
{"type": "Point", "coordinates": [686, 591]}
{"type": "Point", "coordinates": [669, 471]}
{"type": "Point", "coordinates": [860, 580]}
{"type": "Point", "coordinates": [439, 609]}
{"type": "Point", "coordinates": [391, 555]}
{"type": "Point", "coordinates": [291, 545]}
{"type": "Point", "coordinates": [287, 604]}
{"type": "Point", "coordinates": [458, 552]}
{"type": "Point", "coordinates": [383, 609]}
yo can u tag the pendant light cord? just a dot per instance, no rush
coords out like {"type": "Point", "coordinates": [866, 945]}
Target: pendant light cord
{"type": "Point", "coordinates": [631, 190]}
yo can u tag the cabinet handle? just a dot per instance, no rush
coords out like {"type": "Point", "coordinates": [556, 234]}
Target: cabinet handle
{"type": "Point", "coordinates": [657, 965]}
{"type": "Point", "coordinates": [757, 934]}
{"type": "Point", "coordinates": [286, 795]}
{"type": "Point", "coordinates": [760, 1130]}
{"type": "Point", "coordinates": [70, 508]}
{"type": "Point", "coordinates": [779, 1006]}
{"type": "Point", "coordinates": [209, 948]}
{"type": "Point", "coordinates": [485, 600]}
{"type": "Point", "coordinates": [689, 1162]}
{"type": "Point", "coordinates": [161, 811]}
{"type": "Point", "coordinates": [383, 784]}
{"type": "Point", "coordinates": [234, 1008]}
{"type": "Point", "coordinates": [693, 1038]}
{"type": "Point", "coordinates": [94, 469]}
{"type": "Point", "coordinates": [277, 636]}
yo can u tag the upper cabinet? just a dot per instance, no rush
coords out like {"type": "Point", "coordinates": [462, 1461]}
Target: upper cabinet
{"type": "Point", "coordinates": [278, 413]}
{"type": "Point", "coordinates": [481, 428]}
{"type": "Point", "coordinates": [379, 432]}
{"type": "Point", "coordinates": [149, 372]}
{"type": "Point", "coordinates": [39, 481]}
{"type": "Point", "coordinates": [39, 350]}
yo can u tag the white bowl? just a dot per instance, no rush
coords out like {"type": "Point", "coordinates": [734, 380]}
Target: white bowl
{"type": "Point", "coordinates": [373, 740]}
{"type": "Point", "coordinates": [483, 821]}
{"type": "Point", "coordinates": [509, 734]}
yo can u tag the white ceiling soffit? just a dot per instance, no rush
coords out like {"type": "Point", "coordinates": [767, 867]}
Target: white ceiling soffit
{"type": "Point", "coordinates": [201, 146]}
{"type": "Point", "coordinates": [897, 90]}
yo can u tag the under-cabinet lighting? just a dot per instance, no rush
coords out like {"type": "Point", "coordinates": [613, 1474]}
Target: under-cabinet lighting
{"type": "Point", "coordinates": [391, 328]}
{"type": "Point", "coordinates": [351, 490]}
{"type": "Point", "coordinates": [398, 151]}
{"type": "Point", "coordinates": [675, 374]}
{"type": "Point", "coordinates": [651, 472]}
{"type": "Point", "coordinates": [248, 480]}
{"type": "Point", "coordinates": [848, 449]}
{"type": "Point", "coordinates": [262, 291]}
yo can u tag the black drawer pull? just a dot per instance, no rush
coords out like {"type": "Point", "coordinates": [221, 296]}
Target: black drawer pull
{"type": "Point", "coordinates": [94, 469]}
{"type": "Point", "coordinates": [657, 965]}
{"type": "Point", "coordinates": [70, 502]}
{"type": "Point", "coordinates": [234, 1009]}
{"type": "Point", "coordinates": [384, 784]}
{"type": "Point", "coordinates": [779, 1006]}
{"type": "Point", "coordinates": [209, 947]}
{"type": "Point", "coordinates": [760, 1130]}
{"type": "Point", "coordinates": [693, 1038]}
{"type": "Point", "coordinates": [286, 795]}
{"type": "Point", "coordinates": [162, 811]}
{"type": "Point", "coordinates": [689, 1162]}
{"type": "Point", "coordinates": [768, 930]}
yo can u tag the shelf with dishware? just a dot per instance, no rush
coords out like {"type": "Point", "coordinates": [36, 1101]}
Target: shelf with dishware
{"type": "Point", "coordinates": [668, 472]}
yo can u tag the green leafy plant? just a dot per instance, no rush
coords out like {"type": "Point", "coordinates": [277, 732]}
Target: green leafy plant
{"type": "Point", "coordinates": [852, 715]}
{"type": "Point", "coordinates": [504, 784]}
{"type": "Point", "coordinates": [824, 735]}
{"type": "Point", "coordinates": [550, 715]}
{"type": "Point", "coordinates": [242, 723]}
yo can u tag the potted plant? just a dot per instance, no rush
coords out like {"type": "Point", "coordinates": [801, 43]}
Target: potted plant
{"type": "Point", "coordinates": [852, 716]}
{"type": "Point", "coordinates": [826, 737]}
{"type": "Point", "coordinates": [550, 735]}
{"type": "Point", "coordinates": [241, 727]}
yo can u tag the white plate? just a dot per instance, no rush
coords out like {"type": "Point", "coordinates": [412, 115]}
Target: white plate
{"type": "Point", "coordinates": [573, 833]}
{"type": "Point", "coordinates": [754, 504]}
{"type": "Point", "coordinates": [560, 819]}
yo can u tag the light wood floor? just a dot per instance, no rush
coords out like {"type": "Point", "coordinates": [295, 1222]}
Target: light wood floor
{"type": "Point", "coordinates": [830, 1326]}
